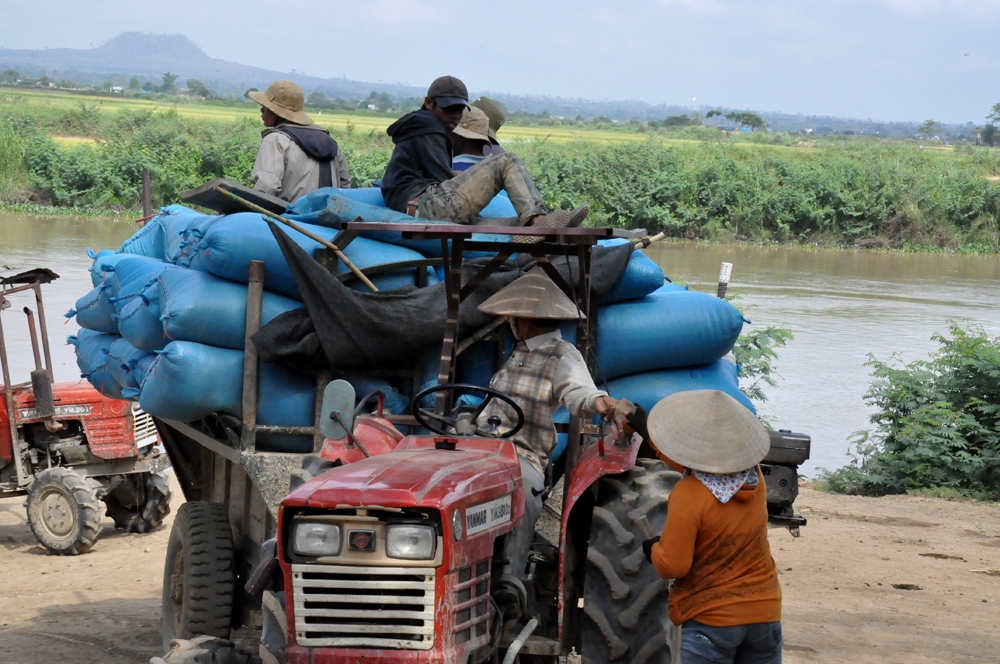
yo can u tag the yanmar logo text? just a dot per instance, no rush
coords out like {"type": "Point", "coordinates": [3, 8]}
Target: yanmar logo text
{"type": "Point", "coordinates": [483, 517]}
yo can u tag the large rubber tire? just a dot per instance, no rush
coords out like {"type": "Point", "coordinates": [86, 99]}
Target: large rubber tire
{"type": "Point", "coordinates": [625, 600]}
{"type": "Point", "coordinates": [64, 510]}
{"type": "Point", "coordinates": [148, 514]}
{"type": "Point", "coordinates": [198, 574]}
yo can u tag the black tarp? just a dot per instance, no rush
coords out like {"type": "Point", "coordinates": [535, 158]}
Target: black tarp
{"type": "Point", "coordinates": [346, 329]}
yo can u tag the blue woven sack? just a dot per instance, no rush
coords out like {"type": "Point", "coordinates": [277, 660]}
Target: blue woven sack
{"type": "Point", "coordinates": [123, 359]}
{"type": "Point", "coordinates": [132, 276]}
{"type": "Point", "coordinates": [196, 306]}
{"type": "Point", "coordinates": [236, 239]}
{"type": "Point", "coordinates": [650, 388]}
{"type": "Point", "coordinates": [95, 310]}
{"type": "Point", "coordinates": [189, 381]}
{"type": "Point", "coordinates": [664, 331]}
{"type": "Point", "coordinates": [139, 321]}
{"type": "Point", "coordinates": [92, 356]}
{"type": "Point", "coordinates": [641, 277]}
{"type": "Point", "coordinates": [147, 241]}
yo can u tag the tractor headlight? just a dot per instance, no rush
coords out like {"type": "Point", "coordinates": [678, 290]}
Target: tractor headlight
{"type": "Point", "coordinates": [410, 542]}
{"type": "Point", "coordinates": [316, 539]}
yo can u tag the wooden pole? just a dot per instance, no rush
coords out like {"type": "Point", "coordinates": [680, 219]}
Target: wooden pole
{"type": "Point", "coordinates": [312, 236]}
{"type": "Point", "coordinates": [147, 194]}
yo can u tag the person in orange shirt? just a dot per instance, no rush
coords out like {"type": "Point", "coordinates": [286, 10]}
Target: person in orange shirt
{"type": "Point", "coordinates": [725, 594]}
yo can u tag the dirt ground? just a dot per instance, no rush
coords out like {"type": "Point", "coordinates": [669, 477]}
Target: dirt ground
{"type": "Point", "coordinates": [840, 604]}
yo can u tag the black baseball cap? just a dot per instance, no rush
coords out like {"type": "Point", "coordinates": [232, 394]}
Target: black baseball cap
{"type": "Point", "coordinates": [448, 91]}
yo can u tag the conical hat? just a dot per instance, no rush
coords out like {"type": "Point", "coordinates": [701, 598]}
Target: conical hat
{"type": "Point", "coordinates": [532, 296]}
{"type": "Point", "coordinates": [708, 430]}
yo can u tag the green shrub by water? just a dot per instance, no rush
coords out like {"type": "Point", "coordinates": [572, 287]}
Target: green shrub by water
{"type": "Point", "coordinates": [937, 423]}
{"type": "Point", "coordinates": [858, 192]}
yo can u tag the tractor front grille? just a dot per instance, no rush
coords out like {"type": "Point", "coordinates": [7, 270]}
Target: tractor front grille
{"type": "Point", "coordinates": [364, 607]}
{"type": "Point", "coordinates": [144, 427]}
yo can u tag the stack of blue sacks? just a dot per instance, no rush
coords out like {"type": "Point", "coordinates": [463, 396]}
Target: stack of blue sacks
{"type": "Point", "coordinates": [165, 322]}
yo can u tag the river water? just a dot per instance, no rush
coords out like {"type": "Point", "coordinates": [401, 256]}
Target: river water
{"type": "Point", "coordinates": [841, 305]}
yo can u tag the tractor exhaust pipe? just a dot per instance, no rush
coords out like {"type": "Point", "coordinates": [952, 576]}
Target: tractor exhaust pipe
{"type": "Point", "coordinates": [41, 384]}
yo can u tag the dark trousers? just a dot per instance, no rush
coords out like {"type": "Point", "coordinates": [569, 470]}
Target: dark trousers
{"type": "Point", "coordinates": [759, 643]}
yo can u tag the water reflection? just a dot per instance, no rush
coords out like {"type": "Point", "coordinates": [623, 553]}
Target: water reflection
{"type": "Point", "coordinates": [60, 244]}
{"type": "Point", "coordinates": [842, 306]}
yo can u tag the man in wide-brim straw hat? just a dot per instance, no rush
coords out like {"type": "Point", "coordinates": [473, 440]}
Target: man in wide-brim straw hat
{"type": "Point", "coordinates": [295, 157]}
{"type": "Point", "coordinates": [543, 373]}
{"type": "Point", "coordinates": [726, 595]}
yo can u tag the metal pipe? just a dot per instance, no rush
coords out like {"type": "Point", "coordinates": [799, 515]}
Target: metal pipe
{"type": "Point", "coordinates": [464, 344]}
{"type": "Point", "coordinates": [43, 330]}
{"type": "Point", "coordinates": [518, 643]}
{"type": "Point", "coordinates": [22, 478]}
{"type": "Point", "coordinates": [312, 236]}
{"type": "Point", "coordinates": [33, 336]}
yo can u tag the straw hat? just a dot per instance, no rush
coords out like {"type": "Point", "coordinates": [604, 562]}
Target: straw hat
{"type": "Point", "coordinates": [532, 296]}
{"type": "Point", "coordinates": [474, 125]}
{"type": "Point", "coordinates": [708, 430]}
{"type": "Point", "coordinates": [494, 111]}
{"type": "Point", "coordinates": [285, 99]}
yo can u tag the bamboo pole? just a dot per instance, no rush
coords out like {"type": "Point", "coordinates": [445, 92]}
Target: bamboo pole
{"type": "Point", "coordinates": [646, 241]}
{"type": "Point", "coordinates": [312, 236]}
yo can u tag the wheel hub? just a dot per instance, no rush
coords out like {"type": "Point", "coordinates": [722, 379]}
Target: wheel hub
{"type": "Point", "coordinates": [58, 514]}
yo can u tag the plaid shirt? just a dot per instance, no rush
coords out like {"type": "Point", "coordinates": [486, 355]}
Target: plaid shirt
{"type": "Point", "coordinates": [527, 378]}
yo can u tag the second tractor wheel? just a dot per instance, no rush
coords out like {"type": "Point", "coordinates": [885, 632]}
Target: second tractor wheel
{"type": "Point", "coordinates": [198, 574]}
{"type": "Point", "coordinates": [64, 510]}
{"type": "Point", "coordinates": [140, 503]}
{"type": "Point", "coordinates": [625, 600]}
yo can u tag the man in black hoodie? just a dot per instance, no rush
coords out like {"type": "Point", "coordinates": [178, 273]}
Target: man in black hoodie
{"type": "Point", "coordinates": [295, 157]}
{"type": "Point", "coordinates": [419, 180]}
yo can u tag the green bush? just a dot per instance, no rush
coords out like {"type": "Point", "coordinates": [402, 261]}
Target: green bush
{"type": "Point", "coordinates": [846, 190]}
{"type": "Point", "coordinates": [937, 423]}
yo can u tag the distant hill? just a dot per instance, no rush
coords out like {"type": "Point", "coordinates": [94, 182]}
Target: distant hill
{"type": "Point", "coordinates": [149, 56]}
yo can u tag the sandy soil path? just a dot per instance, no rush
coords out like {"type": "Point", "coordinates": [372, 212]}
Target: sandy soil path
{"type": "Point", "coordinates": [840, 604]}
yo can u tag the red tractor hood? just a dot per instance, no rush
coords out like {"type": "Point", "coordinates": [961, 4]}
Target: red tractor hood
{"type": "Point", "coordinates": [415, 474]}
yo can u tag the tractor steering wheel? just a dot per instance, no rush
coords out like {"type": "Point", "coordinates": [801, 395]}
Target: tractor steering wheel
{"type": "Point", "coordinates": [463, 414]}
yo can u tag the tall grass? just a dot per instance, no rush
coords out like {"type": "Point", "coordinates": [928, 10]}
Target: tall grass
{"type": "Point", "coordinates": [13, 175]}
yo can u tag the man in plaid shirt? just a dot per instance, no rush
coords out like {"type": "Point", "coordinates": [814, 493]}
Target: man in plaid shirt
{"type": "Point", "coordinates": [543, 372]}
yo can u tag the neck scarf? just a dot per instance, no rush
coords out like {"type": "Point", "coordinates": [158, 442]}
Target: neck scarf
{"type": "Point", "coordinates": [724, 487]}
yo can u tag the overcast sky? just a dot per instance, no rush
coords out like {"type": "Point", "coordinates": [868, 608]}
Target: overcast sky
{"type": "Point", "coordinates": [880, 59]}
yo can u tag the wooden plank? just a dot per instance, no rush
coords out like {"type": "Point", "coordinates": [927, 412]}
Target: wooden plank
{"type": "Point", "coordinates": [207, 197]}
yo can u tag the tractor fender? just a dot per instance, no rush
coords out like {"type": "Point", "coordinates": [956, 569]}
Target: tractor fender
{"type": "Point", "coordinates": [590, 468]}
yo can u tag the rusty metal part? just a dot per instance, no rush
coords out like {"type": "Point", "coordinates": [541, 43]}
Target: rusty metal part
{"type": "Point", "coordinates": [309, 234]}
{"type": "Point", "coordinates": [255, 306]}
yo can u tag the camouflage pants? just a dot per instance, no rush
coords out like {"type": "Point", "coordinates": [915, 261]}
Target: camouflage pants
{"type": "Point", "coordinates": [461, 198]}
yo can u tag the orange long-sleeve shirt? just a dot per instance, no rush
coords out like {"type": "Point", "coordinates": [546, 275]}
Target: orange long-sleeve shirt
{"type": "Point", "coordinates": [719, 556]}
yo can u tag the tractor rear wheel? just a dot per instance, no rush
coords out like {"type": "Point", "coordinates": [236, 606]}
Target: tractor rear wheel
{"type": "Point", "coordinates": [139, 504]}
{"type": "Point", "coordinates": [198, 574]}
{"type": "Point", "coordinates": [625, 600]}
{"type": "Point", "coordinates": [64, 510]}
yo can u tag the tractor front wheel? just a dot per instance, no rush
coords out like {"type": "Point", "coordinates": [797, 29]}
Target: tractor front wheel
{"type": "Point", "coordinates": [140, 503]}
{"type": "Point", "coordinates": [64, 510]}
{"type": "Point", "coordinates": [198, 574]}
{"type": "Point", "coordinates": [625, 600]}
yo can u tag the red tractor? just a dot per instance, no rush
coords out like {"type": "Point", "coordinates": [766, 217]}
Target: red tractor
{"type": "Point", "coordinates": [389, 547]}
{"type": "Point", "coordinates": [70, 447]}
